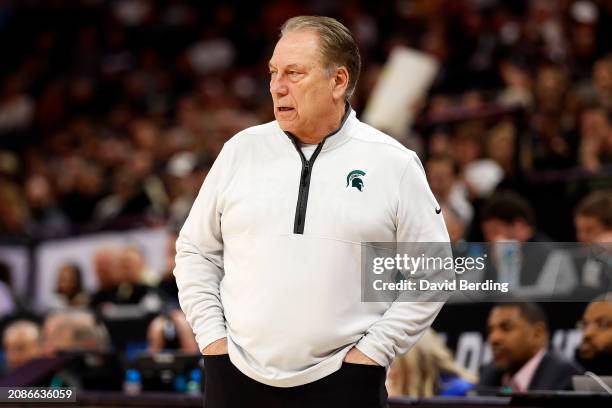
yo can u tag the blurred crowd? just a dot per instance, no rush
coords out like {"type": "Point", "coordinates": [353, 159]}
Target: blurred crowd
{"type": "Point", "coordinates": [522, 357]}
{"type": "Point", "coordinates": [112, 112]}
{"type": "Point", "coordinates": [134, 310]}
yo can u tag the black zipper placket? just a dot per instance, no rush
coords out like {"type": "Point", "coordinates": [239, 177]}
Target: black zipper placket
{"type": "Point", "coordinates": [300, 211]}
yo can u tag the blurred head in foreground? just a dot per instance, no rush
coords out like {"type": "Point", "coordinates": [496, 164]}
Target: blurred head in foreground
{"type": "Point", "coordinates": [428, 369]}
{"type": "Point", "coordinates": [595, 351]}
{"type": "Point", "coordinates": [73, 330]}
{"type": "Point", "coordinates": [21, 343]}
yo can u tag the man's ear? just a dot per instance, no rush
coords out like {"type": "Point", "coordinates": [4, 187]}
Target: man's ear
{"type": "Point", "coordinates": [340, 82]}
{"type": "Point", "coordinates": [540, 333]}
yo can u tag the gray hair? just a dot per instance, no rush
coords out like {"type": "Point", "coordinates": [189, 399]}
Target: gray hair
{"type": "Point", "coordinates": [25, 325]}
{"type": "Point", "coordinates": [337, 45]}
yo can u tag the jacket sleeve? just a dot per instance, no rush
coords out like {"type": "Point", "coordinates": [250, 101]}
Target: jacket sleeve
{"type": "Point", "coordinates": [404, 322]}
{"type": "Point", "coordinates": [199, 258]}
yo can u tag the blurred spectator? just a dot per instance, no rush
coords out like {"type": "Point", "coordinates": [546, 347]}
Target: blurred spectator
{"type": "Point", "coordinates": [211, 53]}
{"type": "Point", "coordinates": [518, 83]}
{"type": "Point", "coordinates": [595, 148]}
{"type": "Point", "coordinates": [16, 106]}
{"type": "Point", "coordinates": [69, 288]}
{"type": "Point", "coordinates": [132, 266]}
{"type": "Point", "coordinates": [551, 121]}
{"type": "Point", "coordinates": [141, 166]}
{"type": "Point", "coordinates": [550, 148]}
{"type": "Point", "coordinates": [593, 216]}
{"type": "Point", "coordinates": [595, 351]}
{"type": "Point", "coordinates": [46, 219]}
{"type": "Point", "coordinates": [167, 284]}
{"type": "Point", "coordinates": [519, 339]}
{"type": "Point", "coordinates": [127, 202]}
{"type": "Point", "coordinates": [428, 369]}
{"type": "Point", "coordinates": [454, 223]}
{"type": "Point", "coordinates": [508, 216]}
{"type": "Point", "coordinates": [76, 333]}
{"type": "Point", "coordinates": [105, 266]}
{"type": "Point", "coordinates": [13, 211]}
{"type": "Point", "coordinates": [501, 146]}
{"type": "Point", "coordinates": [121, 274]}
{"type": "Point", "coordinates": [441, 174]}
{"type": "Point", "coordinates": [171, 332]}
{"type": "Point", "coordinates": [602, 81]}
{"type": "Point", "coordinates": [73, 330]}
{"type": "Point", "coordinates": [599, 88]}
{"type": "Point", "coordinates": [185, 176]}
{"type": "Point", "coordinates": [81, 185]}
{"type": "Point", "coordinates": [7, 300]}
{"type": "Point", "coordinates": [479, 173]}
{"type": "Point", "coordinates": [21, 342]}
{"type": "Point", "coordinates": [520, 255]}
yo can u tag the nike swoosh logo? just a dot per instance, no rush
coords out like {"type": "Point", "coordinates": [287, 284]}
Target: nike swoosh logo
{"type": "Point", "coordinates": [438, 210]}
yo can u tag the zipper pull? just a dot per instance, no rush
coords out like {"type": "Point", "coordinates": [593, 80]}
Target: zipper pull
{"type": "Point", "coordinates": [305, 171]}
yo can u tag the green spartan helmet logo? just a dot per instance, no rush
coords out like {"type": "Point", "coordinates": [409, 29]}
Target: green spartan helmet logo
{"type": "Point", "coordinates": [354, 179]}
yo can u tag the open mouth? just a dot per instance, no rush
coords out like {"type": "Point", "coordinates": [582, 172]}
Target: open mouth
{"type": "Point", "coordinates": [284, 109]}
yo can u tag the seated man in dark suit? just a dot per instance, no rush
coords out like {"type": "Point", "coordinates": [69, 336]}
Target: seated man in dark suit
{"type": "Point", "coordinates": [518, 336]}
{"type": "Point", "coordinates": [595, 351]}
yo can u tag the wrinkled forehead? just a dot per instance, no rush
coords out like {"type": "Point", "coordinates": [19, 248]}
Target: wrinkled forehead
{"type": "Point", "coordinates": [598, 310]}
{"type": "Point", "coordinates": [299, 48]}
{"type": "Point", "coordinates": [504, 313]}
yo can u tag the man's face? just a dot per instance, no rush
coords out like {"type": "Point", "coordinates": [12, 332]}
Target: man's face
{"type": "Point", "coordinates": [597, 332]}
{"type": "Point", "coordinates": [495, 229]}
{"type": "Point", "coordinates": [513, 339]}
{"type": "Point", "coordinates": [21, 346]}
{"type": "Point", "coordinates": [302, 90]}
{"type": "Point", "coordinates": [67, 281]}
{"type": "Point", "coordinates": [441, 178]}
{"type": "Point", "coordinates": [105, 264]}
{"type": "Point", "coordinates": [588, 228]}
{"type": "Point", "coordinates": [131, 265]}
{"type": "Point", "coordinates": [594, 124]}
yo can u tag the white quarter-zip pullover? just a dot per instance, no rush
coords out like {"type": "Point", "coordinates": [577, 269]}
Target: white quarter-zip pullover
{"type": "Point", "coordinates": [270, 255]}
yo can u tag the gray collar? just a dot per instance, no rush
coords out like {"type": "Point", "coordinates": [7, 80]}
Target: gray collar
{"type": "Point", "coordinates": [338, 136]}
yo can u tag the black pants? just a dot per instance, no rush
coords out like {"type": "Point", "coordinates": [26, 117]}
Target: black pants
{"type": "Point", "coordinates": [353, 386]}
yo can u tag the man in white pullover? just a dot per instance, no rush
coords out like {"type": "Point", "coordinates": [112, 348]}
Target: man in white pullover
{"type": "Point", "coordinates": [268, 262]}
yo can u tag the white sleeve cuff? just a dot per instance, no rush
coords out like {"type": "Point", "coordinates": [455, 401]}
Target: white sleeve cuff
{"type": "Point", "coordinates": [372, 350]}
{"type": "Point", "coordinates": [205, 339]}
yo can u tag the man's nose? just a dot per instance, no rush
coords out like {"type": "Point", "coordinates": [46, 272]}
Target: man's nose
{"type": "Point", "coordinates": [278, 85]}
{"type": "Point", "coordinates": [589, 331]}
{"type": "Point", "coordinates": [495, 337]}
